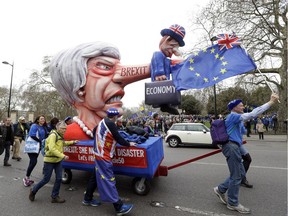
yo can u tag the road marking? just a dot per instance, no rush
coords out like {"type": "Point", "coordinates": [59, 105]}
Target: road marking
{"type": "Point", "coordinates": [158, 204]}
{"type": "Point", "coordinates": [260, 167]}
{"type": "Point", "coordinates": [198, 212]}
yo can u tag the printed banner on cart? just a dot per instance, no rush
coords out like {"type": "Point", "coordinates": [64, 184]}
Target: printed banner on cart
{"type": "Point", "coordinates": [128, 157]}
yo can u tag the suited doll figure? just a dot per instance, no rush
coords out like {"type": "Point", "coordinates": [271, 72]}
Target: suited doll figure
{"type": "Point", "coordinates": [172, 39]}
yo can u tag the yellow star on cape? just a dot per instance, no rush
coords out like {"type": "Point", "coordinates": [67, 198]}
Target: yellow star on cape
{"type": "Point", "coordinates": [196, 53]}
{"type": "Point", "coordinates": [197, 74]}
{"type": "Point", "coordinates": [221, 58]}
{"type": "Point", "coordinates": [224, 63]}
{"type": "Point", "coordinates": [215, 78]}
{"type": "Point", "coordinates": [191, 68]}
{"type": "Point", "coordinates": [191, 60]}
{"type": "Point", "coordinates": [217, 55]}
{"type": "Point", "coordinates": [102, 177]}
{"type": "Point", "coordinates": [206, 80]}
{"type": "Point", "coordinates": [204, 50]}
{"type": "Point", "coordinates": [212, 50]}
{"type": "Point", "coordinates": [223, 70]}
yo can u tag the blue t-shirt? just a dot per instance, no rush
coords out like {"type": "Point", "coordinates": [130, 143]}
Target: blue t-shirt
{"type": "Point", "coordinates": [234, 126]}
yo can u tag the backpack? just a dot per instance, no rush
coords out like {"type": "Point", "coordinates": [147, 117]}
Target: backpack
{"type": "Point", "coordinates": [219, 133]}
{"type": "Point", "coordinates": [43, 143]}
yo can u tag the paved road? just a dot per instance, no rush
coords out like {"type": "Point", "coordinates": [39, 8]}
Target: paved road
{"type": "Point", "coordinates": [186, 191]}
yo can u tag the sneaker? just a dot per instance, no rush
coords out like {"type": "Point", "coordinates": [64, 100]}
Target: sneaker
{"type": "Point", "coordinates": [31, 195]}
{"type": "Point", "coordinates": [57, 200]}
{"type": "Point", "coordinates": [30, 181]}
{"type": "Point", "coordinates": [125, 209]}
{"type": "Point", "coordinates": [7, 164]}
{"type": "Point", "coordinates": [240, 208]}
{"type": "Point", "coordinates": [245, 183]}
{"type": "Point", "coordinates": [27, 182]}
{"type": "Point", "coordinates": [92, 202]}
{"type": "Point", "coordinates": [220, 195]}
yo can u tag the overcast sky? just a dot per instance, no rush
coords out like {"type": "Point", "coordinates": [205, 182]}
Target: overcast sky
{"type": "Point", "coordinates": [31, 29]}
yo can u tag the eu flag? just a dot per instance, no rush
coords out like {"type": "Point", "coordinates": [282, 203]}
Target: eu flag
{"type": "Point", "coordinates": [134, 116]}
{"type": "Point", "coordinates": [211, 65]}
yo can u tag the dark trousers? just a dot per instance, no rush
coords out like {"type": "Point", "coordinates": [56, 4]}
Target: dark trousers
{"type": "Point", "coordinates": [246, 163]}
{"type": "Point", "coordinates": [48, 170]}
{"type": "Point", "coordinates": [7, 145]}
{"type": "Point", "coordinates": [118, 205]}
{"type": "Point", "coordinates": [32, 163]}
{"type": "Point", "coordinates": [91, 187]}
{"type": "Point", "coordinates": [261, 135]}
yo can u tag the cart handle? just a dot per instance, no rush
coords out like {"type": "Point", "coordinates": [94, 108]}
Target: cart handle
{"type": "Point", "coordinates": [195, 159]}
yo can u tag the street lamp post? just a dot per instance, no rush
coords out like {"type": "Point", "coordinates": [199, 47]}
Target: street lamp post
{"type": "Point", "coordinates": [10, 92]}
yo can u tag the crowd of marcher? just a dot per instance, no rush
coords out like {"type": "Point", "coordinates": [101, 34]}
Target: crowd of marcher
{"type": "Point", "coordinates": [156, 124]}
{"type": "Point", "coordinates": [164, 122]}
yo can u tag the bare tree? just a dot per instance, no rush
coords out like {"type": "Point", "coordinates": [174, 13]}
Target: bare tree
{"type": "Point", "coordinates": [39, 95]}
{"type": "Point", "coordinates": [262, 27]}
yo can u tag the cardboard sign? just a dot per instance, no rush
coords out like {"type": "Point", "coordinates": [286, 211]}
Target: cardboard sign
{"type": "Point", "coordinates": [162, 92]}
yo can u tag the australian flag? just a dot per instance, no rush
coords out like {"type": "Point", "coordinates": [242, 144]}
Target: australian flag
{"type": "Point", "coordinates": [213, 64]}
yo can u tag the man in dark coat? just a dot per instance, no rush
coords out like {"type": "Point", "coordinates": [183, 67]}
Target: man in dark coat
{"type": "Point", "coordinates": [6, 130]}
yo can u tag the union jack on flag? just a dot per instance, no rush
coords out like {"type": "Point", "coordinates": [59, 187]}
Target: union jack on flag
{"type": "Point", "coordinates": [227, 40]}
{"type": "Point", "coordinates": [178, 30]}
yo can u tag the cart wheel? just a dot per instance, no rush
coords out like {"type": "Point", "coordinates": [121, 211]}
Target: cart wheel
{"type": "Point", "coordinates": [66, 176]}
{"type": "Point", "coordinates": [141, 186]}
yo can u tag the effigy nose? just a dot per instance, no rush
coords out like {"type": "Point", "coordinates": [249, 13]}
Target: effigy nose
{"type": "Point", "coordinates": [125, 75]}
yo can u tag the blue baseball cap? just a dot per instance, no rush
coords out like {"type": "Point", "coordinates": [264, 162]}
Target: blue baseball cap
{"type": "Point", "coordinates": [112, 112]}
{"type": "Point", "coordinates": [67, 118]}
{"type": "Point", "coordinates": [233, 103]}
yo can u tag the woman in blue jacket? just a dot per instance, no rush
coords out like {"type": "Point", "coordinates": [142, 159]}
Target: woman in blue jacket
{"type": "Point", "coordinates": [38, 132]}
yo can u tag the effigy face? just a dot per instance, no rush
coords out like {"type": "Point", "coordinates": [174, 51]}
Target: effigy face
{"type": "Point", "coordinates": [101, 92]}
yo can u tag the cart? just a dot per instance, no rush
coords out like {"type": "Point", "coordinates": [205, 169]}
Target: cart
{"type": "Point", "coordinates": [141, 162]}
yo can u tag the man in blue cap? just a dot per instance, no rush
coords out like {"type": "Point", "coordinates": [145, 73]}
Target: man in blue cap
{"type": "Point", "coordinates": [106, 137]}
{"type": "Point", "coordinates": [231, 150]}
{"type": "Point", "coordinates": [68, 120]}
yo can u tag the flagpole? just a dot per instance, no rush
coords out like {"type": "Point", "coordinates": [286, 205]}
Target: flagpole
{"type": "Point", "coordinates": [214, 86]}
{"type": "Point", "coordinates": [268, 84]}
